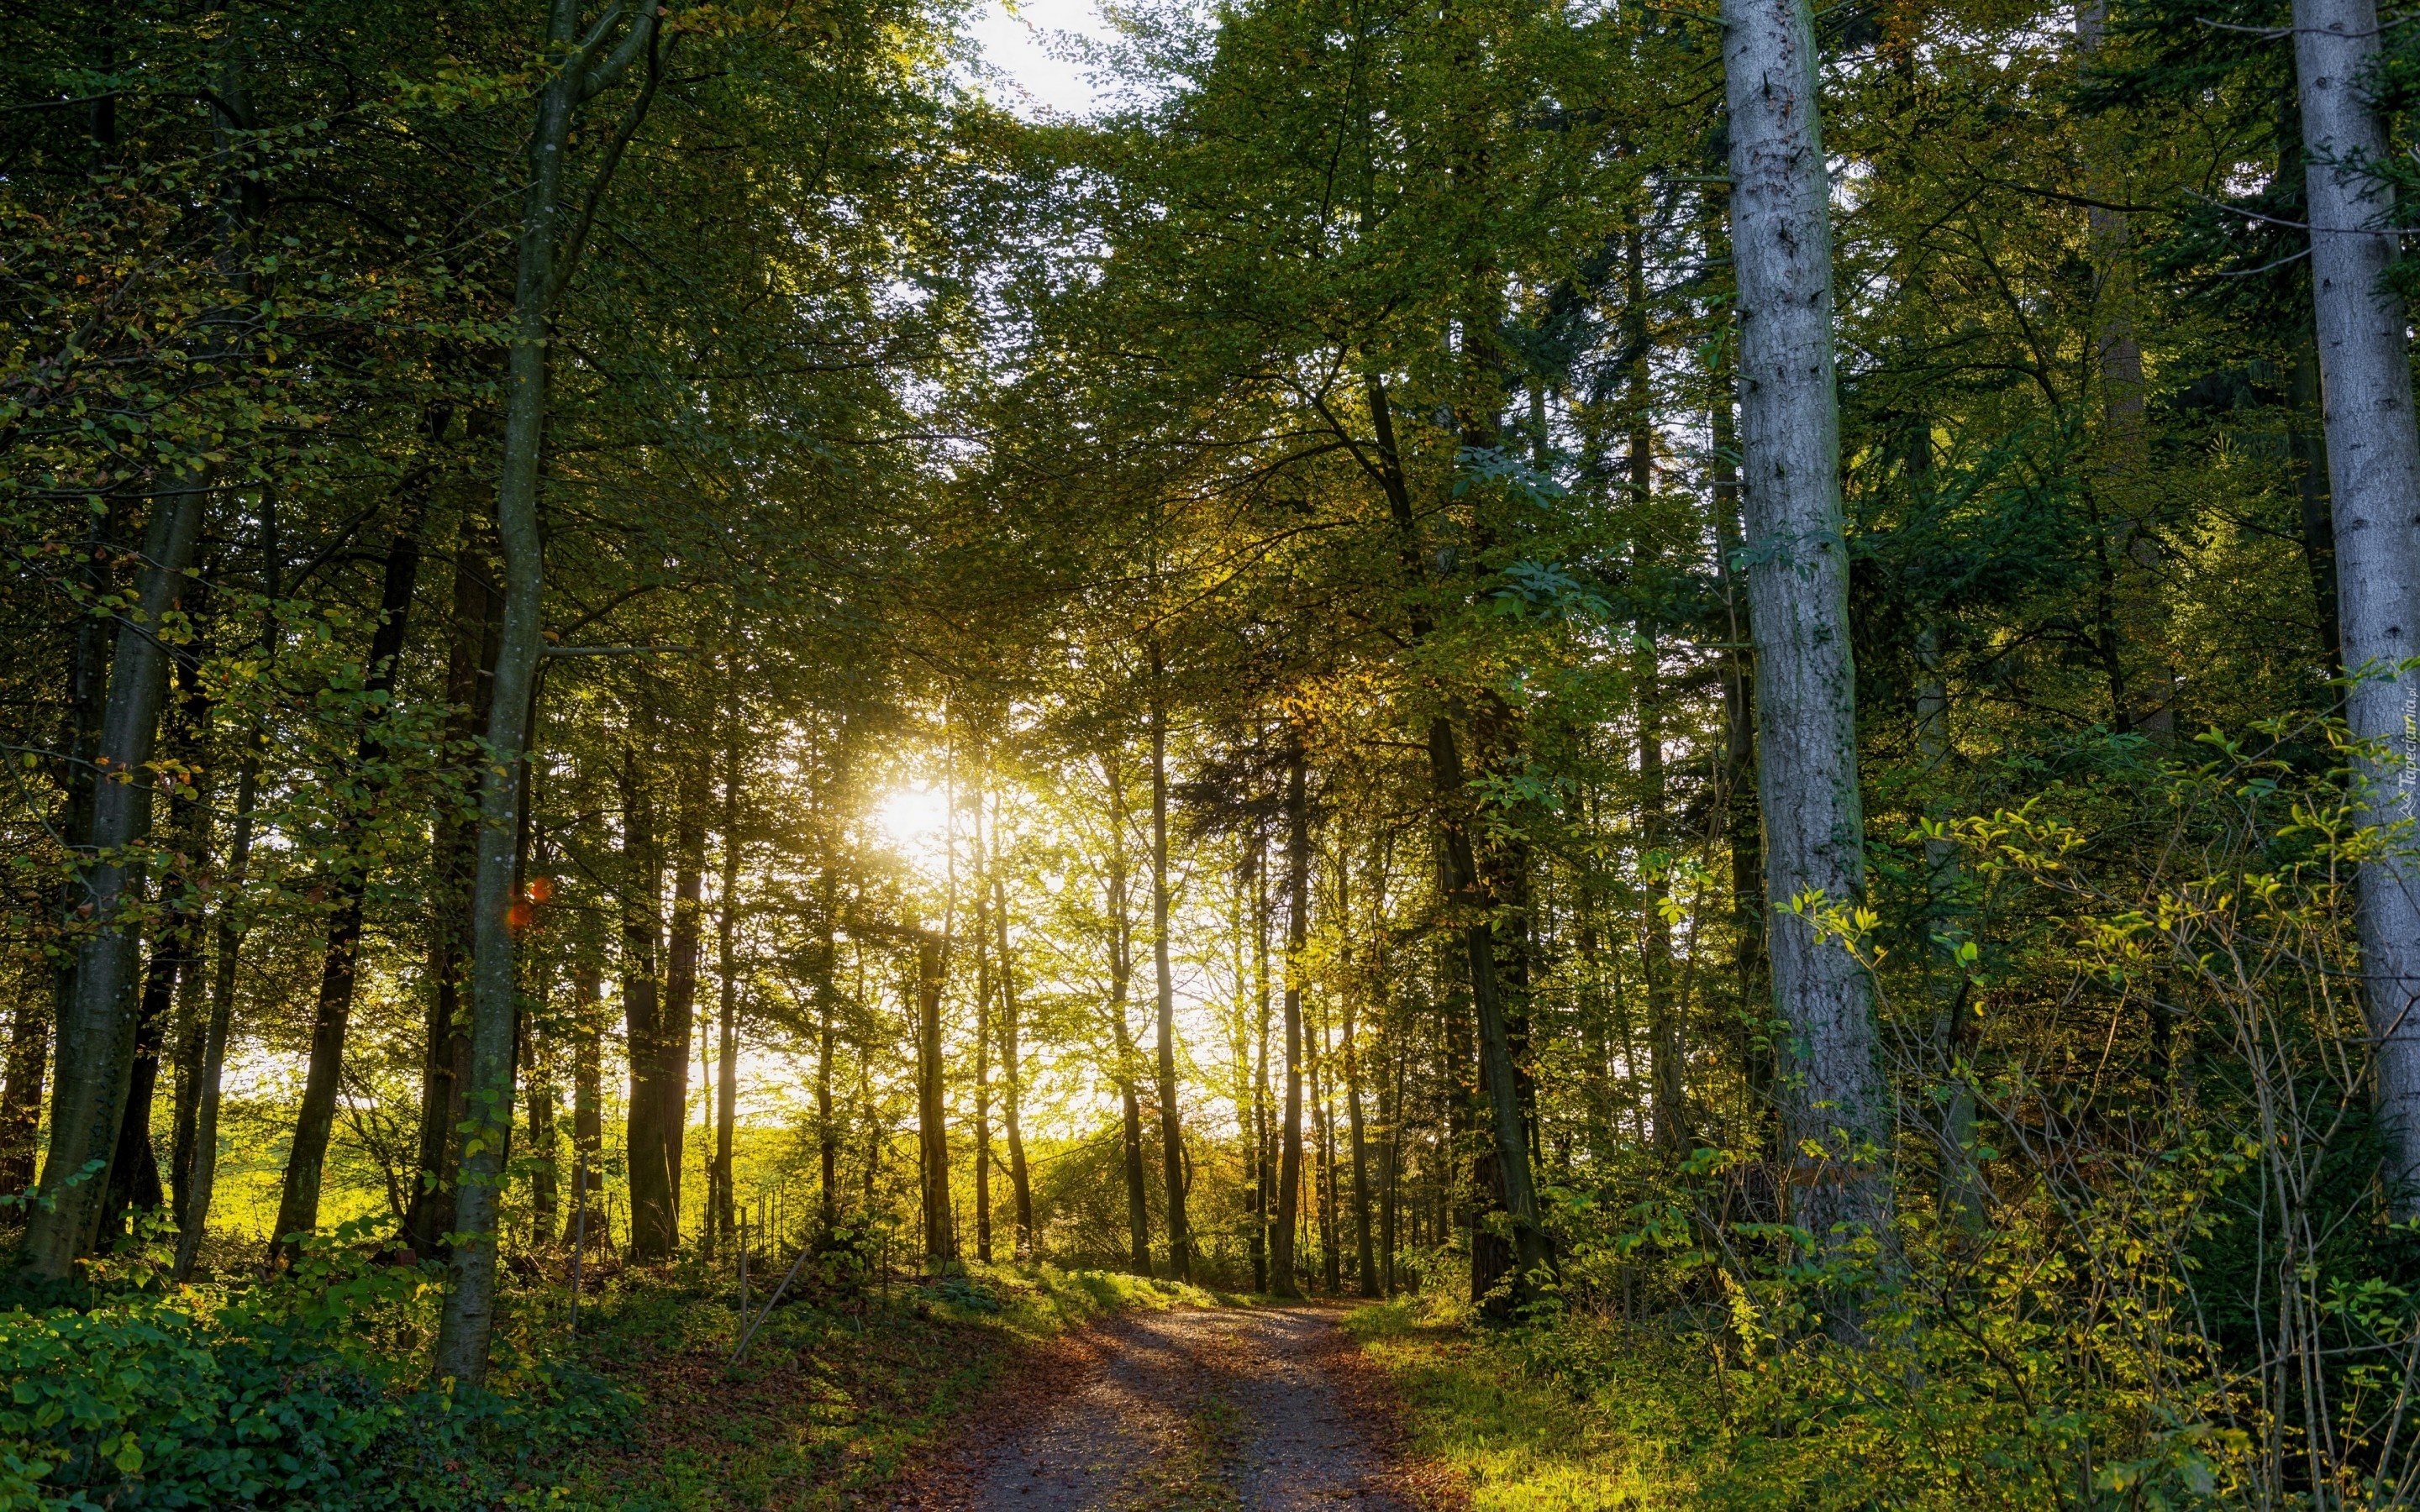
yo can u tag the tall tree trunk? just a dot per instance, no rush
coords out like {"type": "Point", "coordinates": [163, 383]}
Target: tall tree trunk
{"type": "Point", "coordinates": [1012, 1072]}
{"type": "Point", "coordinates": [132, 1185]}
{"type": "Point", "coordinates": [298, 1205]}
{"type": "Point", "coordinates": [827, 1130]}
{"type": "Point", "coordinates": [226, 950]}
{"type": "Point", "coordinates": [1122, 1035]}
{"type": "Point", "coordinates": [680, 981]}
{"type": "Point", "coordinates": [1743, 828]}
{"type": "Point", "coordinates": [1807, 721]}
{"type": "Point", "coordinates": [720, 1221]}
{"type": "Point", "coordinates": [1361, 1238]}
{"type": "Point", "coordinates": [1664, 1032]}
{"type": "Point", "coordinates": [588, 1105]}
{"type": "Point", "coordinates": [97, 1025]}
{"type": "Point", "coordinates": [1263, 1168]}
{"type": "Point", "coordinates": [932, 1127]}
{"type": "Point", "coordinates": [1172, 1122]}
{"type": "Point", "coordinates": [2373, 477]}
{"type": "Point", "coordinates": [1297, 812]}
{"type": "Point", "coordinates": [654, 1230]}
{"type": "Point", "coordinates": [548, 253]}
{"type": "Point", "coordinates": [471, 643]}
{"type": "Point", "coordinates": [983, 1040]}
{"type": "Point", "coordinates": [192, 1013]}
{"type": "Point", "coordinates": [1458, 878]}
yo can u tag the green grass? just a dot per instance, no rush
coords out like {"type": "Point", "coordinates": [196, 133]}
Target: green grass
{"type": "Point", "coordinates": [1525, 1441]}
{"type": "Point", "coordinates": [834, 1397]}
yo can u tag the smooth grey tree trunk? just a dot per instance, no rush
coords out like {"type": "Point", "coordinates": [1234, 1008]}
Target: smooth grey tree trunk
{"type": "Point", "coordinates": [1798, 573]}
{"type": "Point", "coordinates": [549, 251]}
{"type": "Point", "coordinates": [95, 1033]}
{"type": "Point", "coordinates": [2374, 480]}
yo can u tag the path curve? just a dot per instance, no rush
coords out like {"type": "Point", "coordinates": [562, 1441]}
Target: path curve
{"type": "Point", "coordinates": [1249, 1408]}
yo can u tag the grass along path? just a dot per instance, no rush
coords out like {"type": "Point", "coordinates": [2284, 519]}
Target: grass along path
{"type": "Point", "coordinates": [833, 1399]}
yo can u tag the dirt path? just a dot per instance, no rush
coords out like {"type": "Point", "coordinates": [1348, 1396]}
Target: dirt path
{"type": "Point", "coordinates": [1241, 1408]}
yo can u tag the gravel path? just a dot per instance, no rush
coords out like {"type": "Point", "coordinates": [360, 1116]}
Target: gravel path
{"type": "Point", "coordinates": [1236, 1408]}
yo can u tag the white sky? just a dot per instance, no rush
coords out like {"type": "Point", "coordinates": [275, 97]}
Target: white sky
{"type": "Point", "coordinates": [1030, 51]}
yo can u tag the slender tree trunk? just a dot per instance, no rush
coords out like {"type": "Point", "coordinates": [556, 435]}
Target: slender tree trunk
{"type": "Point", "coordinates": [549, 252]}
{"type": "Point", "coordinates": [933, 1132]}
{"type": "Point", "coordinates": [228, 948]}
{"type": "Point", "coordinates": [2374, 477]}
{"type": "Point", "coordinates": [1459, 879]}
{"type": "Point", "coordinates": [721, 1220]}
{"type": "Point", "coordinates": [1263, 1171]}
{"type": "Point", "coordinates": [1012, 1073]}
{"type": "Point", "coordinates": [1121, 1035]}
{"type": "Point", "coordinates": [1664, 1032]}
{"type": "Point", "coordinates": [192, 1012]}
{"type": "Point", "coordinates": [298, 1205]}
{"type": "Point", "coordinates": [470, 691]}
{"type": "Point", "coordinates": [587, 1103]}
{"type": "Point", "coordinates": [654, 1231]}
{"type": "Point", "coordinates": [1172, 1122]}
{"type": "Point", "coordinates": [96, 1031]}
{"type": "Point", "coordinates": [134, 1181]}
{"type": "Point", "coordinates": [1297, 811]}
{"type": "Point", "coordinates": [983, 1040]}
{"type": "Point", "coordinates": [1741, 826]}
{"type": "Point", "coordinates": [1806, 723]}
{"type": "Point", "coordinates": [1368, 1272]}
{"type": "Point", "coordinates": [827, 1130]}
{"type": "Point", "coordinates": [680, 980]}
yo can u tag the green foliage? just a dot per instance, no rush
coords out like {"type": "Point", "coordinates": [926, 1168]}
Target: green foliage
{"type": "Point", "coordinates": [299, 1393]}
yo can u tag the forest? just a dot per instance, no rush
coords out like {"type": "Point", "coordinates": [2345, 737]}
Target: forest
{"type": "Point", "coordinates": [1673, 743]}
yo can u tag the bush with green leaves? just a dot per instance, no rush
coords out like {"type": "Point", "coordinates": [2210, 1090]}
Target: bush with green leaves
{"type": "Point", "coordinates": [307, 1392]}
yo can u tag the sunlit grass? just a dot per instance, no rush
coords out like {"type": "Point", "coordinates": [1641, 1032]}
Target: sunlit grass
{"type": "Point", "coordinates": [1525, 1443]}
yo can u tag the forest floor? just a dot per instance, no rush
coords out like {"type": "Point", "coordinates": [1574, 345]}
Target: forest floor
{"type": "Point", "coordinates": [1247, 1408]}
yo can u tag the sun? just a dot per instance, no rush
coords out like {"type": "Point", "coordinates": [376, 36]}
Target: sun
{"type": "Point", "coordinates": [915, 819]}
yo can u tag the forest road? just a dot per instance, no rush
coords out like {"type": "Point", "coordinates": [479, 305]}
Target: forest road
{"type": "Point", "coordinates": [1246, 1408]}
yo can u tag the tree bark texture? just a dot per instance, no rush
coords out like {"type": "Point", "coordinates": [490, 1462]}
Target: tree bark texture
{"type": "Point", "coordinates": [2374, 484]}
{"type": "Point", "coordinates": [1835, 1119]}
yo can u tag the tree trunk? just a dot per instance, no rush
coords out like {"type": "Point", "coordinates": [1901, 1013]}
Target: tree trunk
{"type": "Point", "coordinates": [1171, 1123]}
{"type": "Point", "coordinates": [227, 948]}
{"type": "Point", "coordinates": [298, 1205]}
{"type": "Point", "coordinates": [932, 1126]}
{"type": "Point", "coordinates": [549, 252]}
{"type": "Point", "coordinates": [1664, 1032]}
{"type": "Point", "coordinates": [1458, 877]}
{"type": "Point", "coordinates": [983, 1040]}
{"type": "Point", "coordinates": [1012, 1073]}
{"type": "Point", "coordinates": [1262, 1166]}
{"type": "Point", "coordinates": [587, 1105]}
{"type": "Point", "coordinates": [96, 1031]}
{"type": "Point", "coordinates": [827, 1131]}
{"type": "Point", "coordinates": [653, 1229]}
{"type": "Point", "coordinates": [2373, 477]}
{"type": "Point", "coordinates": [679, 1025]}
{"type": "Point", "coordinates": [1806, 723]}
{"type": "Point", "coordinates": [720, 1221]}
{"type": "Point", "coordinates": [1121, 1035]}
{"type": "Point", "coordinates": [1297, 811]}
{"type": "Point", "coordinates": [1368, 1262]}
{"type": "Point", "coordinates": [471, 653]}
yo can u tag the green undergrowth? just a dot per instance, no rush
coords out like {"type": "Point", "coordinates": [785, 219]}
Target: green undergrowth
{"type": "Point", "coordinates": [1642, 1432]}
{"type": "Point", "coordinates": [313, 1391]}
